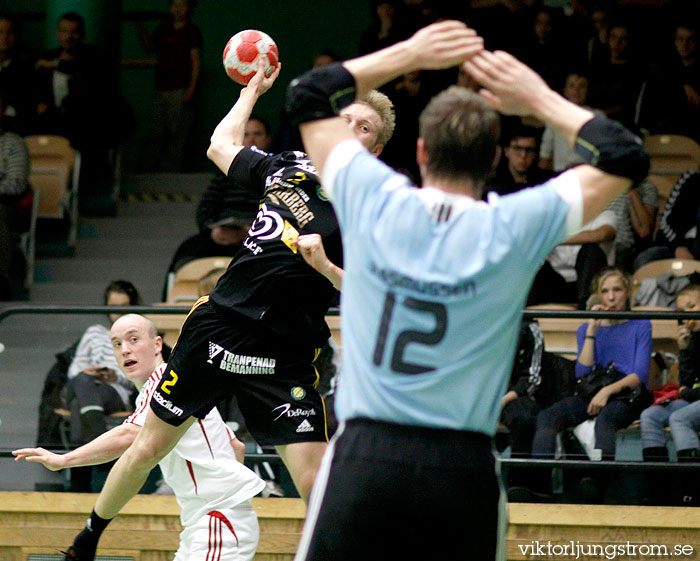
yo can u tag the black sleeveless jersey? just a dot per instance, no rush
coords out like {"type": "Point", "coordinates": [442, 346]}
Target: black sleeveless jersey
{"type": "Point", "coordinates": [268, 280]}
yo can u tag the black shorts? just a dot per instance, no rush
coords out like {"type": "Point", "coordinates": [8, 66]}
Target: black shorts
{"type": "Point", "coordinates": [387, 491]}
{"type": "Point", "coordinates": [274, 383]}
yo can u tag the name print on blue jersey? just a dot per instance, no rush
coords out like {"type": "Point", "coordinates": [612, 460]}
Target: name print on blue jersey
{"type": "Point", "coordinates": [430, 288]}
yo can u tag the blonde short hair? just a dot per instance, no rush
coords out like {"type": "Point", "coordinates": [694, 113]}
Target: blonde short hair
{"type": "Point", "coordinates": [383, 106]}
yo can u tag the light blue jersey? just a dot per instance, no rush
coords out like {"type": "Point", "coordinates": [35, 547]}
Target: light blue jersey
{"type": "Point", "coordinates": [433, 290]}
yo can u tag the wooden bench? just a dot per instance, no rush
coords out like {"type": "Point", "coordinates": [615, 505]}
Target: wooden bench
{"type": "Point", "coordinates": [148, 527]}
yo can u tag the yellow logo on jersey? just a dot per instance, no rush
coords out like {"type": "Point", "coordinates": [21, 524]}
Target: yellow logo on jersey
{"type": "Point", "coordinates": [298, 393]}
{"type": "Point", "coordinates": [290, 236]}
{"type": "Point", "coordinates": [297, 178]}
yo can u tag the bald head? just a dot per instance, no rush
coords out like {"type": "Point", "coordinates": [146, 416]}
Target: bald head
{"type": "Point", "coordinates": [137, 347]}
{"type": "Point", "coordinates": [136, 321]}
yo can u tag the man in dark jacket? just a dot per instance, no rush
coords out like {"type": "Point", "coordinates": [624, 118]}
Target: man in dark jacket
{"type": "Point", "coordinates": [538, 379]}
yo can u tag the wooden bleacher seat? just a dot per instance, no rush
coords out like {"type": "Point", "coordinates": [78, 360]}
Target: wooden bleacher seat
{"type": "Point", "coordinates": [54, 172]}
{"type": "Point", "coordinates": [184, 284]}
{"type": "Point", "coordinates": [663, 331]}
{"type": "Point", "coordinates": [168, 325]}
{"type": "Point", "coordinates": [672, 154]}
{"type": "Point", "coordinates": [559, 333]}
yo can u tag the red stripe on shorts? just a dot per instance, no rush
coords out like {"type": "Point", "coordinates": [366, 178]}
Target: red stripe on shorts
{"type": "Point", "coordinates": [191, 470]}
{"type": "Point", "coordinates": [222, 518]}
{"type": "Point", "coordinates": [206, 438]}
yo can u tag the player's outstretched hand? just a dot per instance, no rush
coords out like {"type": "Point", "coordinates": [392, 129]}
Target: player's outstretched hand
{"type": "Point", "coordinates": [261, 83]}
{"type": "Point", "coordinates": [48, 459]}
{"type": "Point", "coordinates": [443, 45]}
{"type": "Point", "coordinates": [510, 86]}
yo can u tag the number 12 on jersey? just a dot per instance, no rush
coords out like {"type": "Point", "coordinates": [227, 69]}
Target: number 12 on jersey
{"type": "Point", "coordinates": [407, 336]}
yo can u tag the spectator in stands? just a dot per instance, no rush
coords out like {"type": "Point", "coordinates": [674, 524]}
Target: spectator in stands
{"type": "Point", "coordinates": [538, 379]}
{"type": "Point", "coordinates": [555, 152]}
{"type": "Point", "coordinates": [680, 411]}
{"type": "Point", "coordinates": [15, 199]}
{"type": "Point", "coordinates": [685, 42]}
{"type": "Point", "coordinates": [16, 71]}
{"type": "Point", "coordinates": [567, 273]}
{"type": "Point", "coordinates": [96, 386]}
{"type": "Point", "coordinates": [518, 168]}
{"type": "Point", "coordinates": [614, 398]}
{"type": "Point", "coordinates": [257, 133]}
{"type": "Point", "coordinates": [635, 214]}
{"type": "Point", "coordinates": [685, 68]}
{"type": "Point", "coordinates": [71, 81]}
{"type": "Point", "coordinates": [676, 236]}
{"type": "Point", "coordinates": [617, 81]}
{"type": "Point", "coordinates": [177, 44]}
{"type": "Point", "coordinates": [597, 49]}
{"type": "Point", "coordinates": [77, 96]}
{"type": "Point", "coordinates": [385, 29]}
{"type": "Point", "coordinates": [668, 103]}
{"type": "Point", "coordinates": [544, 50]}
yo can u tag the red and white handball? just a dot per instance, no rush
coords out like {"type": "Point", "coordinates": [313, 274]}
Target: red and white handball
{"type": "Point", "coordinates": [243, 51]}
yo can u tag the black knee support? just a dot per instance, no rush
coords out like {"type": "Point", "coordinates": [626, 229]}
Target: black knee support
{"type": "Point", "coordinates": [607, 145]}
{"type": "Point", "coordinates": [320, 93]}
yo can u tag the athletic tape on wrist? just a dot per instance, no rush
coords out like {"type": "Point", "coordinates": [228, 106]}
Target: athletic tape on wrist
{"type": "Point", "coordinates": [610, 147]}
{"type": "Point", "coordinates": [320, 93]}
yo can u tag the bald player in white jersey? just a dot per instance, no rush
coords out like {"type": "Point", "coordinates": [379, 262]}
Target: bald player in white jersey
{"type": "Point", "coordinates": [433, 288]}
{"type": "Point", "coordinates": [211, 485]}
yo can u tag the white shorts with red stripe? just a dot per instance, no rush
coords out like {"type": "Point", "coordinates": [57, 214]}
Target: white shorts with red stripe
{"type": "Point", "coordinates": [229, 534]}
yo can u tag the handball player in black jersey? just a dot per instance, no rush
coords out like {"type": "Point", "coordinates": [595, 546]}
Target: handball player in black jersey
{"type": "Point", "coordinates": [258, 333]}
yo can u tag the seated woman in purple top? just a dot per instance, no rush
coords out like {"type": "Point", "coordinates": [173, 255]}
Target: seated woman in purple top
{"type": "Point", "coordinates": [627, 345]}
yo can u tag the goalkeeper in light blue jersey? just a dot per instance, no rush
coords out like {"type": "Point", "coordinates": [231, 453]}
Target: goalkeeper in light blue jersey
{"type": "Point", "coordinates": [433, 286]}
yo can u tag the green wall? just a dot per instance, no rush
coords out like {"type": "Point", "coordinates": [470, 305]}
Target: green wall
{"type": "Point", "coordinates": [300, 28]}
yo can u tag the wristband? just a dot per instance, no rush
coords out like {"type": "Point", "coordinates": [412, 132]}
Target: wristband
{"type": "Point", "coordinates": [590, 336]}
{"type": "Point", "coordinates": [320, 93]}
{"type": "Point", "coordinates": [610, 147]}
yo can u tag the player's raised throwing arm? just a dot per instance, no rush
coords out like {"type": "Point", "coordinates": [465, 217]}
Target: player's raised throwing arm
{"type": "Point", "coordinates": [227, 138]}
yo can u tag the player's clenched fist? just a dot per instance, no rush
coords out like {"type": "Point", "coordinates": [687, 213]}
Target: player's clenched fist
{"type": "Point", "coordinates": [310, 247]}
